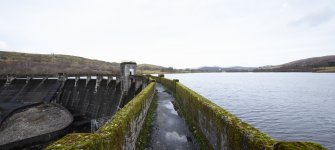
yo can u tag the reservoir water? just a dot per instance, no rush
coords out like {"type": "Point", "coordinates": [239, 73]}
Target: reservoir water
{"type": "Point", "coordinates": [287, 106]}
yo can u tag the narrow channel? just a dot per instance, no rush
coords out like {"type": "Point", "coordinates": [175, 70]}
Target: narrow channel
{"type": "Point", "coordinates": [169, 131]}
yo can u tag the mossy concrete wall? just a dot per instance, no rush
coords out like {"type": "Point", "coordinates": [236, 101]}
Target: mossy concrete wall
{"type": "Point", "coordinates": [119, 133]}
{"type": "Point", "coordinates": [222, 129]}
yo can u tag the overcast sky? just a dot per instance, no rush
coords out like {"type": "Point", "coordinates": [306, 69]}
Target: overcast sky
{"type": "Point", "coordinates": [177, 33]}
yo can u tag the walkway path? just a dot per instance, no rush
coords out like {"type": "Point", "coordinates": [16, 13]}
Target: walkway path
{"type": "Point", "coordinates": [169, 130]}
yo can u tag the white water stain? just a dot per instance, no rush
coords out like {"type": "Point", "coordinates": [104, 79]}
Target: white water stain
{"type": "Point", "coordinates": [174, 136]}
{"type": "Point", "coordinates": [174, 112]}
{"type": "Point", "coordinates": [169, 106]}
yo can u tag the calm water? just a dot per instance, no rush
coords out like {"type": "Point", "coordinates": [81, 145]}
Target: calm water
{"type": "Point", "coordinates": [287, 106]}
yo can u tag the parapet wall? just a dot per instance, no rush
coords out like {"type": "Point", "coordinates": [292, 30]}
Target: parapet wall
{"type": "Point", "coordinates": [221, 129]}
{"type": "Point", "coordinates": [119, 133]}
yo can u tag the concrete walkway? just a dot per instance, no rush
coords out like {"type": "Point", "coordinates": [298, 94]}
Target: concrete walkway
{"type": "Point", "coordinates": [169, 130]}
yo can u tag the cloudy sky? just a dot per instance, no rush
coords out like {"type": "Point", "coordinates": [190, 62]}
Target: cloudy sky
{"type": "Point", "coordinates": [178, 33]}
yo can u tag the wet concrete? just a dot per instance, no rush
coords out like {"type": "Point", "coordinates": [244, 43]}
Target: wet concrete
{"type": "Point", "coordinates": [169, 130]}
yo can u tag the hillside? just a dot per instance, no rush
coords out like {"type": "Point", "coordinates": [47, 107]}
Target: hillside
{"type": "Point", "coordinates": [225, 69]}
{"type": "Point", "coordinates": [24, 63]}
{"type": "Point", "coordinates": [149, 67]}
{"type": "Point", "coordinates": [314, 64]}
{"type": "Point", "coordinates": [154, 69]}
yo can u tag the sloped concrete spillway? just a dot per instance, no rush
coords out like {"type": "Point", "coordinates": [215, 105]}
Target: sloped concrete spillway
{"type": "Point", "coordinates": [86, 102]}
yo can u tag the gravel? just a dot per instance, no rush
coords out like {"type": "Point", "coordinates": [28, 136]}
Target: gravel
{"type": "Point", "coordinates": [34, 121]}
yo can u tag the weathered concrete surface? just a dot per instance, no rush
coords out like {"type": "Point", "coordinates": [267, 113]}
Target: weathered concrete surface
{"type": "Point", "coordinates": [119, 133]}
{"type": "Point", "coordinates": [34, 121]}
{"type": "Point", "coordinates": [24, 92]}
{"type": "Point", "coordinates": [169, 130]}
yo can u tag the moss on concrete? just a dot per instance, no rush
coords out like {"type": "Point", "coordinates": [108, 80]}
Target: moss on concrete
{"type": "Point", "coordinates": [197, 133]}
{"type": "Point", "coordinates": [298, 146]}
{"type": "Point", "coordinates": [116, 130]}
{"type": "Point", "coordinates": [76, 141]}
{"type": "Point", "coordinates": [113, 134]}
{"type": "Point", "coordinates": [224, 121]}
{"type": "Point", "coordinates": [144, 137]}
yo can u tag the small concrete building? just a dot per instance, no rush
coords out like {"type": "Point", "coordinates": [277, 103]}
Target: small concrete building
{"type": "Point", "coordinates": [128, 72]}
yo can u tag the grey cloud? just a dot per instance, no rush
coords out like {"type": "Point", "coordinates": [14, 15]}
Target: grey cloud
{"type": "Point", "coordinates": [314, 19]}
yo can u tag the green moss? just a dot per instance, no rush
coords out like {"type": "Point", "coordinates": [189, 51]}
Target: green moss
{"type": "Point", "coordinates": [298, 146]}
{"type": "Point", "coordinates": [76, 141]}
{"type": "Point", "coordinates": [112, 135]}
{"type": "Point", "coordinates": [199, 136]}
{"type": "Point", "coordinates": [119, 127]}
{"type": "Point", "coordinates": [237, 130]}
{"type": "Point", "coordinates": [144, 136]}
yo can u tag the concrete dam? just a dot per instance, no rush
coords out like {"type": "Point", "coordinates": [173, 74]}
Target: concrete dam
{"type": "Point", "coordinates": [117, 111]}
{"type": "Point", "coordinates": [36, 109]}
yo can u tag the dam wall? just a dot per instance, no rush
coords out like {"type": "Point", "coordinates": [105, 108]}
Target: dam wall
{"type": "Point", "coordinates": [81, 95]}
{"type": "Point", "coordinates": [119, 133]}
{"type": "Point", "coordinates": [91, 100]}
{"type": "Point", "coordinates": [219, 129]}
{"type": "Point", "coordinates": [92, 96]}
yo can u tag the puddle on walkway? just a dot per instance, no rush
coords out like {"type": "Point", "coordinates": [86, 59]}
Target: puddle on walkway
{"type": "Point", "coordinates": [169, 130]}
{"type": "Point", "coordinates": [174, 136]}
{"type": "Point", "coordinates": [169, 105]}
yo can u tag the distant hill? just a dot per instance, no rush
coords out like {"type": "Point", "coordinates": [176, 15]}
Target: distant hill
{"type": "Point", "coordinates": [210, 69]}
{"type": "Point", "coordinates": [24, 63]}
{"type": "Point", "coordinates": [226, 69]}
{"type": "Point", "coordinates": [149, 67]}
{"type": "Point", "coordinates": [324, 61]}
{"type": "Point", "coordinates": [155, 69]}
{"type": "Point", "coordinates": [314, 64]}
